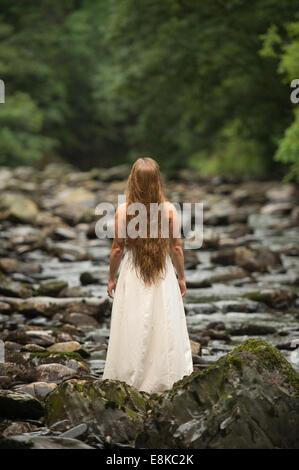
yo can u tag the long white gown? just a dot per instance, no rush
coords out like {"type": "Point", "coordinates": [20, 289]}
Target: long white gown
{"type": "Point", "coordinates": [149, 346]}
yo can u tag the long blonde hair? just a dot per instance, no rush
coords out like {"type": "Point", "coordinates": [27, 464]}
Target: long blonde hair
{"type": "Point", "coordinates": [145, 186]}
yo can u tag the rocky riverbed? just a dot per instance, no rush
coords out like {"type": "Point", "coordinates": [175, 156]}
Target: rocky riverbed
{"type": "Point", "coordinates": [55, 315]}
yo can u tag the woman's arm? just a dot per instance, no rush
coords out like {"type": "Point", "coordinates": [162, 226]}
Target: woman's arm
{"type": "Point", "coordinates": [176, 249]}
{"type": "Point", "coordinates": [116, 253]}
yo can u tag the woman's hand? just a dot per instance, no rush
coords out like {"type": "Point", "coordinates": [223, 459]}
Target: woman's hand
{"type": "Point", "coordinates": [110, 288]}
{"type": "Point", "coordinates": [182, 285]}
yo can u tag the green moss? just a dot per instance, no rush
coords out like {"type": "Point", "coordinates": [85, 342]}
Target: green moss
{"type": "Point", "coordinates": [54, 407]}
{"type": "Point", "coordinates": [79, 386]}
{"type": "Point", "coordinates": [131, 413]}
{"type": "Point", "coordinates": [51, 289]}
{"type": "Point", "coordinates": [235, 361]}
{"type": "Point", "coordinates": [268, 358]}
{"type": "Point", "coordinates": [62, 355]}
{"type": "Point", "coordinates": [259, 297]}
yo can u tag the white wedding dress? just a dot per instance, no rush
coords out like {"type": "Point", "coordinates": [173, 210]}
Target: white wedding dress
{"type": "Point", "coordinates": [149, 346]}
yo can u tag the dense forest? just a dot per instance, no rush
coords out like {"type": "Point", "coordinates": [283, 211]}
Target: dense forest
{"type": "Point", "coordinates": [197, 84]}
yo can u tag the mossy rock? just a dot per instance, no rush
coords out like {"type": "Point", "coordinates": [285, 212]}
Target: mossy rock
{"type": "Point", "coordinates": [280, 299]}
{"type": "Point", "coordinates": [18, 405]}
{"type": "Point", "coordinates": [247, 399]}
{"type": "Point", "coordinates": [110, 408]}
{"type": "Point", "coordinates": [51, 289]}
{"type": "Point", "coordinates": [47, 357]}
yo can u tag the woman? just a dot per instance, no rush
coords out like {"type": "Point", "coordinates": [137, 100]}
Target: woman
{"type": "Point", "coordinates": [149, 346]}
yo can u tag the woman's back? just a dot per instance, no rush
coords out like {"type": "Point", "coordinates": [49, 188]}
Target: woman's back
{"type": "Point", "coordinates": [149, 346]}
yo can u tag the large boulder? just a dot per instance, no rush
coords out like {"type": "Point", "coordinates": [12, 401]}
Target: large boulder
{"type": "Point", "coordinates": [247, 399]}
{"type": "Point", "coordinates": [113, 410]}
{"type": "Point", "coordinates": [14, 404]}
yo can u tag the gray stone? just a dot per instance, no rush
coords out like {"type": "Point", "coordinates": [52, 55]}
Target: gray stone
{"type": "Point", "coordinates": [14, 404]}
{"type": "Point", "coordinates": [42, 442]}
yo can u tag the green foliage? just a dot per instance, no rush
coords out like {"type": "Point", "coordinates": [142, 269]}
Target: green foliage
{"type": "Point", "coordinates": [20, 131]}
{"type": "Point", "coordinates": [180, 75]}
{"type": "Point", "coordinates": [288, 54]}
{"type": "Point", "coordinates": [204, 84]}
{"type": "Point", "coordinates": [288, 149]}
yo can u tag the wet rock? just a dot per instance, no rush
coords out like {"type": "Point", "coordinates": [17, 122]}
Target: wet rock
{"type": "Point", "coordinates": [276, 298]}
{"type": "Point", "coordinates": [217, 325]}
{"type": "Point", "coordinates": [87, 278]}
{"type": "Point", "coordinates": [54, 372]}
{"type": "Point", "coordinates": [37, 389]}
{"type": "Point", "coordinates": [224, 214]}
{"type": "Point", "coordinates": [289, 346]}
{"type": "Point", "coordinates": [252, 260]}
{"type": "Point", "coordinates": [195, 348]}
{"type": "Point", "coordinates": [17, 428]}
{"type": "Point", "coordinates": [67, 251]}
{"type": "Point", "coordinates": [69, 346]}
{"type": "Point", "coordinates": [110, 408]}
{"type": "Point", "coordinates": [21, 405]}
{"type": "Point", "coordinates": [13, 288]}
{"type": "Point", "coordinates": [252, 330]}
{"type": "Point", "coordinates": [42, 442]}
{"type": "Point", "coordinates": [33, 348]}
{"type": "Point", "coordinates": [76, 432]}
{"type": "Point", "coordinates": [79, 319]}
{"type": "Point", "coordinates": [4, 307]}
{"type": "Point", "coordinates": [206, 278]}
{"type": "Point", "coordinates": [61, 426]}
{"type": "Point", "coordinates": [91, 232]}
{"type": "Point", "coordinates": [210, 239]}
{"type": "Point", "coordinates": [259, 259]}
{"type": "Point", "coordinates": [295, 215]}
{"type": "Point", "coordinates": [198, 283]}
{"type": "Point", "coordinates": [12, 265]}
{"type": "Point", "coordinates": [282, 208]}
{"type": "Point", "coordinates": [48, 306]}
{"type": "Point", "coordinates": [74, 214]}
{"type": "Point", "coordinates": [190, 259]}
{"type": "Point", "coordinates": [282, 193]}
{"type": "Point", "coordinates": [42, 338]}
{"type": "Point", "coordinates": [5, 382]}
{"type": "Point", "coordinates": [77, 196]}
{"type": "Point", "coordinates": [51, 289]}
{"type": "Point", "coordinates": [23, 372]}
{"type": "Point", "coordinates": [263, 221]}
{"type": "Point", "coordinates": [199, 363]}
{"type": "Point", "coordinates": [12, 346]}
{"type": "Point", "coordinates": [74, 291]}
{"type": "Point", "coordinates": [240, 305]}
{"type": "Point", "coordinates": [71, 360]}
{"type": "Point", "coordinates": [118, 172]}
{"type": "Point", "coordinates": [224, 275]}
{"type": "Point", "coordinates": [203, 308]}
{"type": "Point", "coordinates": [216, 334]}
{"type": "Point", "coordinates": [247, 399]}
{"type": "Point", "coordinates": [63, 233]}
{"type": "Point", "coordinates": [17, 207]}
